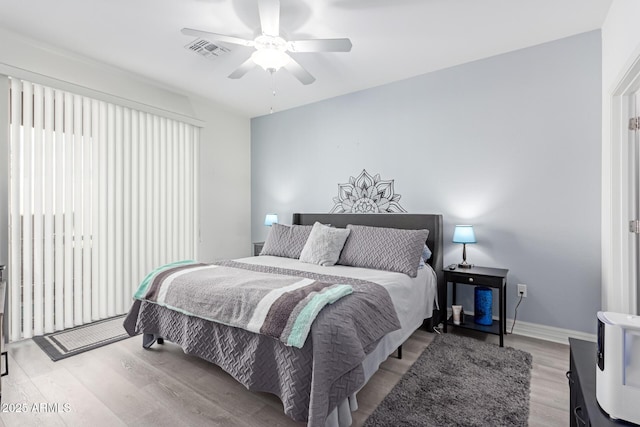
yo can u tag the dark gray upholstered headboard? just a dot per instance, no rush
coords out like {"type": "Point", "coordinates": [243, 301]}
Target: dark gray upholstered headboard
{"type": "Point", "coordinates": [433, 223]}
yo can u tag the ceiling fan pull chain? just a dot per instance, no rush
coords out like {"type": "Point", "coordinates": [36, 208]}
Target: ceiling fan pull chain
{"type": "Point", "coordinates": [273, 87]}
{"type": "Point", "coordinates": [273, 81]}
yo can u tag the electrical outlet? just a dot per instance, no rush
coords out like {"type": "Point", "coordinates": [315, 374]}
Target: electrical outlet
{"type": "Point", "coordinates": [522, 290]}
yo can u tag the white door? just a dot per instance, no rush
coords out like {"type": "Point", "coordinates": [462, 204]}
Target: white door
{"type": "Point", "coordinates": [634, 201]}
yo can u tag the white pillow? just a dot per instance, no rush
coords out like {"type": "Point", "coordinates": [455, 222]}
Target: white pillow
{"type": "Point", "coordinates": [324, 245]}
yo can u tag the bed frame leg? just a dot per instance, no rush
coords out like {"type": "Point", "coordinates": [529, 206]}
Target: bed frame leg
{"type": "Point", "coordinates": [400, 352]}
{"type": "Point", "coordinates": [149, 339]}
{"type": "Point", "coordinates": [428, 324]}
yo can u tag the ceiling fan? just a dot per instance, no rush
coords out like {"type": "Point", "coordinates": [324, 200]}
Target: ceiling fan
{"type": "Point", "coordinates": [271, 48]}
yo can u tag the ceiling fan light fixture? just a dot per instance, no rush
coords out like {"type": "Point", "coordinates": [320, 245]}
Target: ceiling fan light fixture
{"type": "Point", "coordinates": [271, 49]}
{"type": "Point", "coordinates": [270, 58]}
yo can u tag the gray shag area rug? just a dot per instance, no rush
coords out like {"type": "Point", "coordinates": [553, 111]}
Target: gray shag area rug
{"type": "Point", "coordinates": [460, 381]}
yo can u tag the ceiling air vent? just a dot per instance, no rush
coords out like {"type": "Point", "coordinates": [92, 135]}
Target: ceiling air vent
{"type": "Point", "coordinates": [206, 48]}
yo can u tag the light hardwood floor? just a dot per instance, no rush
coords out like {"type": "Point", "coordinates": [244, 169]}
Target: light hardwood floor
{"type": "Point", "coordinates": [122, 384]}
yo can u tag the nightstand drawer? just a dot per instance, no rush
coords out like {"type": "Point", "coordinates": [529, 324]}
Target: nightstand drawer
{"type": "Point", "coordinates": [474, 279]}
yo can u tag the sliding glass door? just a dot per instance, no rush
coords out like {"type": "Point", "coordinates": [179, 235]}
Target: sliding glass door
{"type": "Point", "coordinates": [99, 194]}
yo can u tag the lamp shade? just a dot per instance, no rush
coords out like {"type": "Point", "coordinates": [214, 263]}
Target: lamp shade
{"type": "Point", "coordinates": [464, 234]}
{"type": "Point", "coordinates": [270, 219]}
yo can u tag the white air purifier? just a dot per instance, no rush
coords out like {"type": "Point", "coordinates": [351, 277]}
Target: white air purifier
{"type": "Point", "coordinates": [618, 365]}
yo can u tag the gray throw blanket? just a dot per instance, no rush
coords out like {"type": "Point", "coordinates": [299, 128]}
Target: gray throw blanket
{"type": "Point", "coordinates": [281, 306]}
{"type": "Point", "coordinates": [310, 380]}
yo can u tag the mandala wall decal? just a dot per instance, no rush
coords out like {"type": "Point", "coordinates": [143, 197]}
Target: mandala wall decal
{"type": "Point", "coordinates": [367, 194]}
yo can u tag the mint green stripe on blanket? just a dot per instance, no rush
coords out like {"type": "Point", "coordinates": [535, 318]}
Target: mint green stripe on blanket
{"type": "Point", "coordinates": [302, 325]}
{"type": "Point", "coordinates": [144, 285]}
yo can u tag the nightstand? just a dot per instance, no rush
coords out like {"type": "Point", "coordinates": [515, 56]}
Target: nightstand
{"type": "Point", "coordinates": [494, 278]}
{"type": "Point", "coordinates": [257, 248]}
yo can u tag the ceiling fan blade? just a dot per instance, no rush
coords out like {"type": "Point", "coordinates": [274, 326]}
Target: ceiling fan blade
{"type": "Point", "coordinates": [320, 45]}
{"type": "Point", "coordinates": [243, 69]}
{"type": "Point", "coordinates": [217, 37]}
{"type": "Point", "coordinates": [300, 73]}
{"type": "Point", "coordinates": [269, 16]}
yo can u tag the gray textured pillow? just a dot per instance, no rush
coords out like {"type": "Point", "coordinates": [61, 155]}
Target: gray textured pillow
{"type": "Point", "coordinates": [389, 249]}
{"type": "Point", "coordinates": [324, 245]}
{"type": "Point", "coordinates": [286, 240]}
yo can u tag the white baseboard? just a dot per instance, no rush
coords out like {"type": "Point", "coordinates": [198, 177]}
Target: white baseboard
{"type": "Point", "coordinates": [548, 333]}
{"type": "Point", "coordinates": [542, 332]}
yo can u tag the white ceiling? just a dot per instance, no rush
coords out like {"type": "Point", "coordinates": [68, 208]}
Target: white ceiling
{"type": "Point", "coordinates": [392, 39]}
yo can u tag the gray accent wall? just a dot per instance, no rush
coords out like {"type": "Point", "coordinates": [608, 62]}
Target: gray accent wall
{"type": "Point", "coordinates": [509, 144]}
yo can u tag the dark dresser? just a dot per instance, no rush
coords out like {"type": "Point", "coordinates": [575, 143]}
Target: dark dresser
{"type": "Point", "coordinates": [584, 408]}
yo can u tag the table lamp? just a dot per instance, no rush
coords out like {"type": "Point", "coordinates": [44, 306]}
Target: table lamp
{"type": "Point", "coordinates": [270, 219]}
{"type": "Point", "coordinates": [464, 234]}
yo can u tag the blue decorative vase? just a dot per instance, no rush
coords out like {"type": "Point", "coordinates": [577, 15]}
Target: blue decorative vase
{"type": "Point", "coordinates": [483, 305]}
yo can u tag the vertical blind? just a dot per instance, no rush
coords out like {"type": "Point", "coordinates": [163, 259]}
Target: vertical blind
{"type": "Point", "coordinates": [100, 195]}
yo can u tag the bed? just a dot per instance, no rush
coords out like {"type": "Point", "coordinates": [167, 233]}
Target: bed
{"type": "Point", "coordinates": [318, 381]}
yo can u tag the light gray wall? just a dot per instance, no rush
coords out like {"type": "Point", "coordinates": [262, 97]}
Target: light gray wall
{"type": "Point", "coordinates": [225, 183]}
{"type": "Point", "coordinates": [510, 144]}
